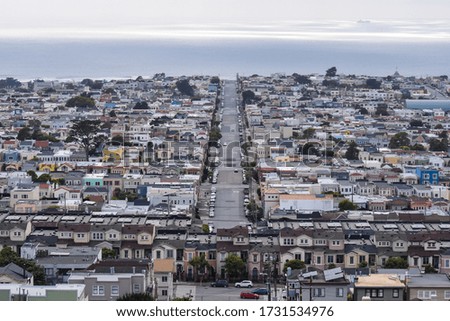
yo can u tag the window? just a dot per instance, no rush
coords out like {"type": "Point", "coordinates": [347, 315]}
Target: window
{"type": "Point", "coordinates": [330, 259]}
{"type": "Point", "coordinates": [158, 254]}
{"type": "Point", "coordinates": [339, 258]}
{"type": "Point", "coordinates": [395, 293]}
{"type": "Point", "coordinates": [425, 260]}
{"type": "Point", "coordinates": [169, 254]}
{"type": "Point", "coordinates": [426, 294]}
{"type": "Point", "coordinates": [352, 260]}
{"type": "Point", "coordinates": [431, 244]}
{"type": "Point", "coordinates": [240, 239]}
{"type": "Point", "coordinates": [114, 290]}
{"type": "Point", "coordinates": [288, 241]}
{"type": "Point", "coordinates": [125, 254]}
{"type": "Point", "coordinates": [447, 263]}
{"type": "Point", "coordinates": [144, 237]}
{"type": "Point", "coordinates": [164, 292]}
{"type": "Point", "coordinates": [319, 292]}
{"type": "Point", "coordinates": [255, 258]}
{"type": "Point", "coordinates": [339, 292]}
{"type": "Point", "coordinates": [336, 242]}
{"type": "Point", "coordinates": [98, 290]}
{"type": "Point", "coordinates": [189, 256]}
{"type": "Point", "coordinates": [164, 279]}
{"type": "Point", "coordinates": [136, 288]}
{"type": "Point", "coordinates": [318, 259]}
{"type": "Point", "coordinates": [298, 257]}
{"type": "Point", "coordinates": [380, 293]}
{"type": "Point", "coordinates": [362, 258]}
{"type": "Point", "coordinates": [399, 244]}
{"type": "Point", "coordinates": [447, 295]}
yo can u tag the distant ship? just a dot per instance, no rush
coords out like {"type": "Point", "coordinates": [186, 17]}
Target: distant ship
{"type": "Point", "coordinates": [363, 21]}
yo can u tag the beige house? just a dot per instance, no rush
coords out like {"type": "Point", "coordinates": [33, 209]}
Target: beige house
{"type": "Point", "coordinates": [164, 270]}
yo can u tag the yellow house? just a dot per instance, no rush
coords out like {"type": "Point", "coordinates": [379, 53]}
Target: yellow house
{"type": "Point", "coordinates": [392, 159]}
{"type": "Point", "coordinates": [47, 167]}
{"type": "Point", "coordinates": [112, 154]}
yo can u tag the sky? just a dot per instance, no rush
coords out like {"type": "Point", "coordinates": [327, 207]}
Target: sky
{"type": "Point", "coordinates": [184, 18]}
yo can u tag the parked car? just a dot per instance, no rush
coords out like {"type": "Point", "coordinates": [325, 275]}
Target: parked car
{"type": "Point", "coordinates": [249, 295]}
{"type": "Point", "coordinates": [260, 291]}
{"type": "Point", "coordinates": [244, 284]}
{"type": "Point", "coordinates": [220, 284]}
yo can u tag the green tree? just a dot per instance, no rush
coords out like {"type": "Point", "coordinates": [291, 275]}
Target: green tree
{"type": "Point", "coordinates": [184, 87]}
{"type": "Point", "coordinates": [438, 145]}
{"type": "Point", "coordinates": [10, 83]}
{"type": "Point", "coordinates": [81, 101]}
{"type": "Point", "coordinates": [85, 133]}
{"type": "Point", "coordinates": [294, 265]}
{"type": "Point", "coordinates": [418, 147]}
{"type": "Point", "coordinates": [363, 111]}
{"type": "Point", "coordinates": [24, 133]}
{"type": "Point", "coordinates": [301, 79]}
{"type": "Point", "coordinates": [248, 97]}
{"type": "Point", "coordinates": [205, 228]}
{"type": "Point", "coordinates": [396, 262]}
{"type": "Point", "coordinates": [429, 269]}
{"type": "Point", "coordinates": [373, 83]}
{"type": "Point", "coordinates": [331, 72]}
{"type": "Point", "coordinates": [381, 110]}
{"type": "Point", "coordinates": [347, 205]}
{"type": "Point", "coordinates": [214, 80]}
{"type": "Point", "coordinates": [200, 264]}
{"type": "Point", "coordinates": [108, 253]}
{"type": "Point", "coordinates": [309, 133]}
{"type": "Point", "coordinates": [399, 140]}
{"type": "Point", "coordinates": [7, 255]}
{"type": "Point", "coordinates": [234, 266]}
{"type": "Point", "coordinates": [44, 178]}
{"type": "Point", "coordinates": [33, 175]}
{"type": "Point", "coordinates": [141, 105]}
{"type": "Point", "coordinates": [416, 123]}
{"type": "Point", "coordinates": [352, 152]}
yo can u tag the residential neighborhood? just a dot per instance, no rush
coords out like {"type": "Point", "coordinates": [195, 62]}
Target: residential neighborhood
{"type": "Point", "coordinates": [314, 187]}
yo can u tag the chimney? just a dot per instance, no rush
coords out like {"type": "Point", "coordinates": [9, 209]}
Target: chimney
{"type": "Point", "coordinates": [134, 270]}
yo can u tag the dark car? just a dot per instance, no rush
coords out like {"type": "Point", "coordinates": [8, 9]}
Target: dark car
{"type": "Point", "coordinates": [260, 291]}
{"type": "Point", "coordinates": [220, 284]}
{"type": "Point", "coordinates": [249, 295]}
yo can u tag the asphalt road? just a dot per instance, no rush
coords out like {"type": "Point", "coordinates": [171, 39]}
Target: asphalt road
{"type": "Point", "coordinates": [229, 208]}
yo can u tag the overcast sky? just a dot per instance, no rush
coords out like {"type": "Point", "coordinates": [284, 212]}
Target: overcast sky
{"type": "Point", "coordinates": [53, 15]}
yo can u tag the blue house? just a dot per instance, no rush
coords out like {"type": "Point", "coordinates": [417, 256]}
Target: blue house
{"type": "Point", "coordinates": [11, 156]}
{"type": "Point", "coordinates": [428, 176]}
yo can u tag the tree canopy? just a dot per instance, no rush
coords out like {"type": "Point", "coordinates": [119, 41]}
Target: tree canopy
{"type": "Point", "coordinates": [301, 79]}
{"type": "Point", "coordinates": [346, 205]}
{"type": "Point", "coordinates": [294, 265]}
{"type": "Point", "coordinates": [141, 105]}
{"type": "Point", "coordinates": [331, 72]}
{"type": "Point", "coordinates": [85, 133]}
{"type": "Point", "coordinates": [399, 140]}
{"type": "Point", "coordinates": [7, 255]}
{"type": "Point", "coordinates": [81, 101]}
{"type": "Point", "coordinates": [234, 266]}
{"type": "Point", "coordinates": [373, 83]}
{"type": "Point", "coordinates": [10, 83]}
{"type": "Point", "coordinates": [184, 87]}
{"type": "Point", "coordinates": [248, 97]}
{"type": "Point", "coordinates": [352, 152]}
{"type": "Point", "coordinates": [396, 262]}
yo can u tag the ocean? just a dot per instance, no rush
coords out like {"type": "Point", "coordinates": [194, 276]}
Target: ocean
{"type": "Point", "coordinates": [121, 58]}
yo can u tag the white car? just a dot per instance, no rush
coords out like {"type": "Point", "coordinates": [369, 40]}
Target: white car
{"type": "Point", "coordinates": [244, 284]}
